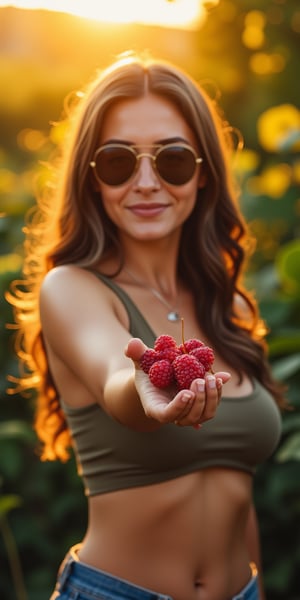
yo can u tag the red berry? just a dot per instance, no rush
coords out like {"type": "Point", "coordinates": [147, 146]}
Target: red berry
{"type": "Point", "coordinates": [186, 369]}
{"type": "Point", "coordinates": [149, 357]}
{"type": "Point", "coordinates": [161, 374]}
{"type": "Point", "coordinates": [163, 342]}
{"type": "Point", "coordinates": [168, 354]}
{"type": "Point", "coordinates": [190, 345]}
{"type": "Point", "coordinates": [205, 355]}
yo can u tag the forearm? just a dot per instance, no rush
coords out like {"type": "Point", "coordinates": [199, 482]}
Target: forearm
{"type": "Point", "coordinates": [122, 402]}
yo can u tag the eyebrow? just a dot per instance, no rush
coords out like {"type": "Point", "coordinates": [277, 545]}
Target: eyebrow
{"type": "Point", "coordinates": [171, 140]}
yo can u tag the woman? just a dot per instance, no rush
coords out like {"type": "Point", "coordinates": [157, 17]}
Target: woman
{"type": "Point", "coordinates": [145, 233]}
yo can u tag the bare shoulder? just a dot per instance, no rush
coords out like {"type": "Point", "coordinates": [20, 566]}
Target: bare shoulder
{"type": "Point", "coordinates": [75, 294]}
{"type": "Point", "coordinates": [67, 280]}
{"type": "Point", "coordinates": [66, 274]}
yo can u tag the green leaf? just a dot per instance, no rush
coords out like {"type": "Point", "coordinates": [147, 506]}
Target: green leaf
{"type": "Point", "coordinates": [275, 311]}
{"type": "Point", "coordinates": [290, 450]}
{"type": "Point", "coordinates": [8, 502]}
{"type": "Point", "coordinates": [288, 266]}
{"type": "Point", "coordinates": [285, 342]}
{"type": "Point", "coordinates": [291, 422]}
{"type": "Point", "coordinates": [286, 367]}
{"type": "Point", "coordinates": [17, 430]}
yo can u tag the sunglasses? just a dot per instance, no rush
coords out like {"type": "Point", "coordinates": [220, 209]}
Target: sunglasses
{"type": "Point", "coordinates": [115, 164]}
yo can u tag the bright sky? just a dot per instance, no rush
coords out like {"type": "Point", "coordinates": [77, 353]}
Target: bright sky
{"type": "Point", "coordinates": [173, 13]}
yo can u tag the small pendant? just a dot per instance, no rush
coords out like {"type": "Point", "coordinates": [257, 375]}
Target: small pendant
{"type": "Point", "coordinates": [173, 316]}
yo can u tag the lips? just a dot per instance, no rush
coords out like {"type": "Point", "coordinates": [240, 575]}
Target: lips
{"type": "Point", "coordinates": [148, 209]}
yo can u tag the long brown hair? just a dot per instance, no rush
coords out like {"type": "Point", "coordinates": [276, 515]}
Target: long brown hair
{"type": "Point", "coordinates": [69, 225]}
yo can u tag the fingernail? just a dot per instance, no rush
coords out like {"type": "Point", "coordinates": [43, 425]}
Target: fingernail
{"type": "Point", "coordinates": [200, 386]}
{"type": "Point", "coordinates": [211, 381]}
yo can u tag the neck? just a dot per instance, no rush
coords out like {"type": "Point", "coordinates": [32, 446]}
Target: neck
{"type": "Point", "coordinates": [163, 280]}
{"type": "Point", "coordinates": [172, 312]}
{"type": "Point", "coordinates": [144, 260]}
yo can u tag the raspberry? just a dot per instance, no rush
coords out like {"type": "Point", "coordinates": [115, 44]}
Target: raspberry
{"type": "Point", "coordinates": [168, 363]}
{"type": "Point", "coordinates": [205, 355]}
{"type": "Point", "coordinates": [190, 345]}
{"type": "Point", "coordinates": [168, 354]}
{"type": "Point", "coordinates": [161, 374]}
{"type": "Point", "coordinates": [163, 342]}
{"type": "Point", "coordinates": [149, 357]}
{"type": "Point", "coordinates": [186, 369]}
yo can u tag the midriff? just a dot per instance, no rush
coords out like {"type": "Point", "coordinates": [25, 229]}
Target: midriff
{"type": "Point", "coordinates": [184, 538]}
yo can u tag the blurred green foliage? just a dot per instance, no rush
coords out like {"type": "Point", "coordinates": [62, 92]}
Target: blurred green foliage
{"type": "Point", "coordinates": [247, 54]}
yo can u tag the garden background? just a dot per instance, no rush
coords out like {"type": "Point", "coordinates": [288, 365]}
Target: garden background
{"type": "Point", "coordinates": [247, 53]}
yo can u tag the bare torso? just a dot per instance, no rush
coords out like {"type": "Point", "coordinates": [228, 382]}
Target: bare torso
{"type": "Point", "coordinates": [186, 537]}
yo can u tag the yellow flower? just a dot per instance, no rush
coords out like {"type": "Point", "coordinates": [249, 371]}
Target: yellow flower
{"type": "Point", "coordinates": [246, 161]}
{"type": "Point", "coordinates": [8, 180]}
{"type": "Point", "coordinates": [10, 262]}
{"type": "Point", "coordinates": [278, 128]}
{"type": "Point", "coordinates": [273, 181]}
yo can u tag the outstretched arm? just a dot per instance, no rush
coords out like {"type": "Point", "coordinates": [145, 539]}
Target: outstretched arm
{"type": "Point", "coordinates": [86, 333]}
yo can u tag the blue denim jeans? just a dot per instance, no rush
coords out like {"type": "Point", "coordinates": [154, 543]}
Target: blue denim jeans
{"type": "Point", "coordinates": [79, 581]}
{"type": "Point", "coordinates": [250, 591]}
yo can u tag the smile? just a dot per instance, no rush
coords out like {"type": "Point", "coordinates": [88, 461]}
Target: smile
{"type": "Point", "coordinates": [148, 210]}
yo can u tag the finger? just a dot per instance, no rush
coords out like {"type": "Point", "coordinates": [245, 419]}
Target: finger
{"type": "Point", "coordinates": [219, 384]}
{"type": "Point", "coordinates": [212, 397]}
{"type": "Point", "coordinates": [193, 416]}
{"type": "Point", "coordinates": [135, 350]}
{"type": "Point", "coordinates": [180, 406]}
{"type": "Point", "coordinates": [223, 375]}
{"type": "Point", "coordinates": [221, 378]}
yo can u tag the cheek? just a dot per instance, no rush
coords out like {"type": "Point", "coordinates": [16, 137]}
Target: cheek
{"type": "Point", "coordinates": [111, 197]}
{"type": "Point", "coordinates": [188, 199]}
{"type": "Point", "coordinates": [112, 202]}
{"type": "Point", "coordinates": [187, 195]}
{"type": "Point", "coordinates": [110, 207]}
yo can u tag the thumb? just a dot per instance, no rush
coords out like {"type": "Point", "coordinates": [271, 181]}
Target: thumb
{"type": "Point", "coordinates": [135, 349]}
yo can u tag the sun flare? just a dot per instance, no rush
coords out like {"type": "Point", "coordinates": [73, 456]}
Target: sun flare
{"type": "Point", "coordinates": [186, 14]}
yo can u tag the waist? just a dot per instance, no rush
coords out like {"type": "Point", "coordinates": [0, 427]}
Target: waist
{"type": "Point", "coordinates": [178, 523]}
{"type": "Point", "coordinates": [76, 576]}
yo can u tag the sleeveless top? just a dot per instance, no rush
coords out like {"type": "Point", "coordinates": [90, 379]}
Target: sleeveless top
{"type": "Point", "coordinates": [110, 456]}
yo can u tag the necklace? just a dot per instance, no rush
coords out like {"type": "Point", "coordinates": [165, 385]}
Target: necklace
{"type": "Point", "coordinates": [172, 315]}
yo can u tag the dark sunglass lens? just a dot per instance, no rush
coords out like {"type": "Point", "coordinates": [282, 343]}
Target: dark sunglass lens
{"type": "Point", "coordinates": [115, 165]}
{"type": "Point", "coordinates": [176, 164]}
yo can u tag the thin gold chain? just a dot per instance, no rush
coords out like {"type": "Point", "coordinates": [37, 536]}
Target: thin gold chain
{"type": "Point", "coordinates": [173, 314]}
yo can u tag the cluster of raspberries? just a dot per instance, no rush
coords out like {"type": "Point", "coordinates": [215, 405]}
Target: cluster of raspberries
{"type": "Point", "coordinates": [168, 364]}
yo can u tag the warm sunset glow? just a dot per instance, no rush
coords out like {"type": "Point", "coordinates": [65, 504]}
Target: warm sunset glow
{"type": "Point", "coordinates": [187, 14]}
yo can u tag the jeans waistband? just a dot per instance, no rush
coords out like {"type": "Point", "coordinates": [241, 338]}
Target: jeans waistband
{"type": "Point", "coordinates": [73, 572]}
{"type": "Point", "coordinates": [72, 568]}
{"type": "Point", "coordinates": [250, 591]}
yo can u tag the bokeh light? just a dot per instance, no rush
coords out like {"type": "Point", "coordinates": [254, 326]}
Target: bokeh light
{"type": "Point", "coordinates": [276, 125]}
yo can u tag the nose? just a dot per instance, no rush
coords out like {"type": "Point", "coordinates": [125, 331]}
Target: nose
{"type": "Point", "coordinates": [146, 178]}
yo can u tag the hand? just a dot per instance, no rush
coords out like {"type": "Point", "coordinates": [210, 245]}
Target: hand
{"type": "Point", "coordinates": [190, 407]}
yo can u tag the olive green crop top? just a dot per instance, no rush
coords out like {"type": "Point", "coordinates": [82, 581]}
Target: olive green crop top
{"type": "Point", "coordinates": [110, 456]}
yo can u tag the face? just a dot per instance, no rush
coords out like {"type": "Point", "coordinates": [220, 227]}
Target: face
{"type": "Point", "coordinates": [146, 207]}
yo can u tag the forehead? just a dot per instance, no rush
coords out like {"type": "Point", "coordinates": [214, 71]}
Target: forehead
{"type": "Point", "coordinates": [144, 120]}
